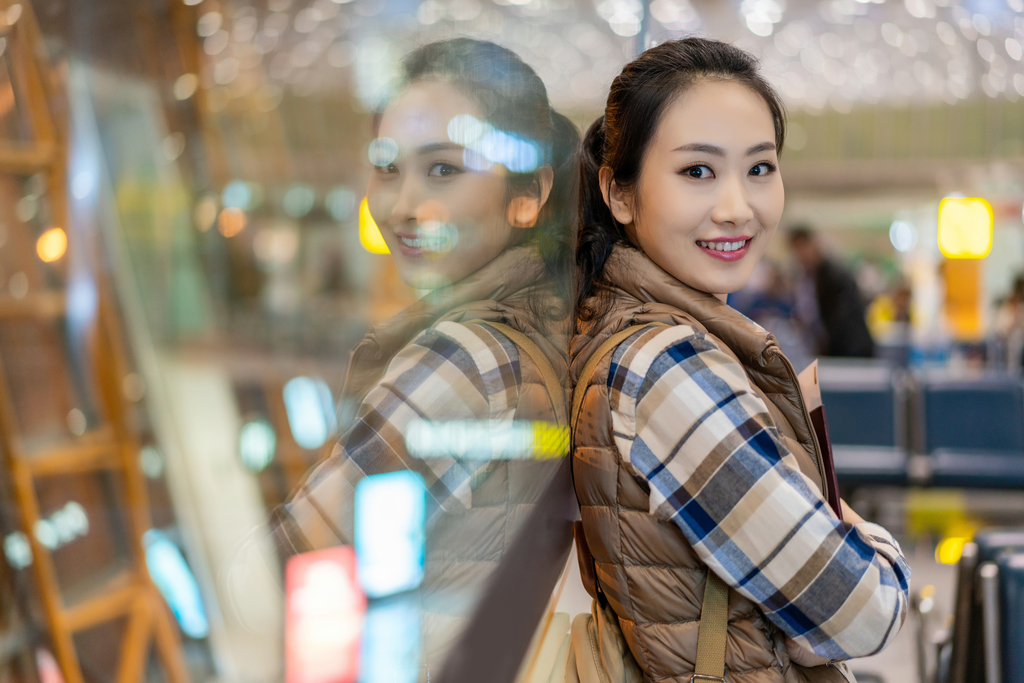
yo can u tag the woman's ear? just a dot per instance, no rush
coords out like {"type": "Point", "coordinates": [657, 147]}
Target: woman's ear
{"type": "Point", "coordinates": [524, 209]}
{"type": "Point", "coordinates": [619, 203]}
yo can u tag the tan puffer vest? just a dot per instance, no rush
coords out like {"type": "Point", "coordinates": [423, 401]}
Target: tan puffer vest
{"type": "Point", "coordinates": [464, 545]}
{"type": "Point", "coordinates": [646, 568]}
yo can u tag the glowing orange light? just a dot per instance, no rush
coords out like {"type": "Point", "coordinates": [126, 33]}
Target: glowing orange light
{"type": "Point", "coordinates": [369, 233]}
{"type": "Point", "coordinates": [231, 221]}
{"type": "Point", "coordinates": [52, 244]}
{"type": "Point", "coordinates": [965, 227]}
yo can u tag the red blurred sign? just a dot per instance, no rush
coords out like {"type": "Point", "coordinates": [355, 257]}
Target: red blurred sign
{"type": "Point", "coordinates": [323, 617]}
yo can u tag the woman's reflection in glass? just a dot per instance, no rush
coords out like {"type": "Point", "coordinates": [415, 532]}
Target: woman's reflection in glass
{"type": "Point", "coordinates": [472, 178]}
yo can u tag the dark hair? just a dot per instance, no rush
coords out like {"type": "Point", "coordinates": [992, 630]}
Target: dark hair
{"type": "Point", "coordinates": [619, 139]}
{"type": "Point", "coordinates": [513, 99]}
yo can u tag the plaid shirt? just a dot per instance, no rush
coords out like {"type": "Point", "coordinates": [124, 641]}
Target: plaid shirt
{"type": "Point", "coordinates": [451, 372]}
{"type": "Point", "coordinates": [685, 417]}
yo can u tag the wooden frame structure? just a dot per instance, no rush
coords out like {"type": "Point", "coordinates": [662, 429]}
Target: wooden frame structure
{"type": "Point", "coordinates": [110, 447]}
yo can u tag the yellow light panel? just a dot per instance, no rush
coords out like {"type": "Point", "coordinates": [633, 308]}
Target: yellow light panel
{"type": "Point", "coordinates": [369, 233]}
{"type": "Point", "coordinates": [965, 227]}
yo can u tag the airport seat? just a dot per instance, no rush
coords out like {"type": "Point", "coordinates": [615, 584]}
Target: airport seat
{"type": "Point", "coordinates": [1010, 571]}
{"type": "Point", "coordinates": [973, 429]}
{"type": "Point", "coordinates": [866, 407]}
{"type": "Point", "coordinates": [963, 657]}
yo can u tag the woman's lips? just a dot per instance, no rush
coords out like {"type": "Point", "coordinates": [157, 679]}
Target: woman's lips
{"type": "Point", "coordinates": [408, 245]}
{"type": "Point", "coordinates": [434, 238]}
{"type": "Point", "coordinates": [726, 249]}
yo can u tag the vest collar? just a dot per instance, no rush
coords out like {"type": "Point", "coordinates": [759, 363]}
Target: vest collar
{"type": "Point", "coordinates": [655, 293]}
{"type": "Point", "coordinates": [516, 271]}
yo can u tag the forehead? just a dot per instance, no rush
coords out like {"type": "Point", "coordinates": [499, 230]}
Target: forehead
{"type": "Point", "coordinates": [421, 112]}
{"type": "Point", "coordinates": [724, 113]}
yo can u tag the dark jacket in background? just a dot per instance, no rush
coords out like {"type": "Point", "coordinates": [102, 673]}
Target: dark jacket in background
{"type": "Point", "coordinates": [842, 312]}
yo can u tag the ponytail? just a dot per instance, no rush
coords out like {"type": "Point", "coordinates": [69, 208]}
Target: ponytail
{"type": "Point", "coordinates": [598, 231]}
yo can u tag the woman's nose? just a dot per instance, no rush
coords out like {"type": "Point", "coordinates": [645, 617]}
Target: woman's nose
{"type": "Point", "coordinates": [733, 205]}
{"type": "Point", "coordinates": [405, 202]}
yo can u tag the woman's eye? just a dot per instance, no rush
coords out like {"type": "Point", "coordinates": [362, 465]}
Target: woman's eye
{"type": "Point", "coordinates": [763, 168]}
{"type": "Point", "coordinates": [390, 168]}
{"type": "Point", "coordinates": [698, 172]}
{"type": "Point", "coordinates": [443, 170]}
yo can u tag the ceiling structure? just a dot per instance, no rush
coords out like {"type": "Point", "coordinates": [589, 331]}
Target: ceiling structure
{"type": "Point", "coordinates": [819, 53]}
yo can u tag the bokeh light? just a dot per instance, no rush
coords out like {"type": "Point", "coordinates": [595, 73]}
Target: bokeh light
{"type": "Point", "coordinates": [390, 514]}
{"type": "Point", "coordinates": [237, 195]}
{"type": "Point", "coordinates": [52, 244]}
{"type": "Point", "coordinates": [903, 236]}
{"type": "Point", "coordinates": [205, 213]}
{"type": "Point", "coordinates": [310, 410]}
{"type": "Point", "coordinates": [257, 444]}
{"type": "Point", "coordinates": [231, 221]}
{"type": "Point", "coordinates": [298, 200]}
{"type": "Point", "coordinates": [950, 549]}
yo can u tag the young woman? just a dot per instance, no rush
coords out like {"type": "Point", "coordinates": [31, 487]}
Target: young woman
{"type": "Point", "coordinates": [472, 191]}
{"type": "Point", "coordinates": [694, 451]}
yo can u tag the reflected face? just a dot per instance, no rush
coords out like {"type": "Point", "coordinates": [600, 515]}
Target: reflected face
{"type": "Point", "coordinates": [710, 196]}
{"type": "Point", "coordinates": [441, 219]}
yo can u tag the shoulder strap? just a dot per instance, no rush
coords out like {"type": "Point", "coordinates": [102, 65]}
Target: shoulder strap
{"type": "Point", "coordinates": [591, 367]}
{"type": "Point", "coordinates": [714, 611]}
{"type": "Point", "coordinates": [711, 634]}
{"type": "Point", "coordinates": [547, 371]}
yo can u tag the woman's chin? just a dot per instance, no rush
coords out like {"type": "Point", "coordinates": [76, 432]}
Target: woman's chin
{"type": "Point", "coordinates": [421, 278]}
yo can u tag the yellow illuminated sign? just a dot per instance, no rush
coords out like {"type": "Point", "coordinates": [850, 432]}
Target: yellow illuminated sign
{"type": "Point", "coordinates": [369, 233]}
{"type": "Point", "coordinates": [965, 227]}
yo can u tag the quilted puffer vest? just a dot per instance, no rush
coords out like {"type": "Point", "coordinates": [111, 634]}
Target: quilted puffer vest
{"type": "Point", "coordinates": [464, 545]}
{"type": "Point", "coordinates": [646, 568]}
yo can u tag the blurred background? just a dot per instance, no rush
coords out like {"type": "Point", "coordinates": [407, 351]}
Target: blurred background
{"type": "Point", "coordinates": [185, 265]}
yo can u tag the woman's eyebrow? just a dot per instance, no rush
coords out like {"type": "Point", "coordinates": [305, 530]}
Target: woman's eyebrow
{"type": "Point", "coordinates": [432, 147]}
{"type": "Point", "coordinates": [704, 147]}
{"type": "Point", "coordinates": [763, 147]}
{"type": "Point", "coordinates": [708, 148]}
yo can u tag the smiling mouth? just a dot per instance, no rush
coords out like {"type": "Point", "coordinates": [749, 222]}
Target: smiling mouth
{"type": "Point", "coordinates": [435, 237]}
{"type": "Point", "coordinates": [724, 246]}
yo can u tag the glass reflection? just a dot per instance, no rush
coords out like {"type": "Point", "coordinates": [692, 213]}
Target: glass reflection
{"type": "Point", "coordinates": [463, 391]}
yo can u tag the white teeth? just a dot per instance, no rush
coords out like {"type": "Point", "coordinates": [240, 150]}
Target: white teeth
{"type": "Point", "coordinates": [723, 246]}
{"type": "Point", "coordinates": [436, 236]}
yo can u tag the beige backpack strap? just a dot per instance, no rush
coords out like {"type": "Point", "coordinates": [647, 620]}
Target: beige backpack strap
{"type": "Point", "coordinates": [591, 367]}
{"type": "Point", "coordinates": [547, 371]}
{"type": "Point", "coordinates": [711, 634]}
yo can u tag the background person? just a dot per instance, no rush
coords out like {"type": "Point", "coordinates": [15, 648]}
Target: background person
{"type": "Point", "coordinates": [837, 312]}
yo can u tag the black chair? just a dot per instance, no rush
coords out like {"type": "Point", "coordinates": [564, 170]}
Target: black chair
{"type": "Point", "coordinates": [866, 408]}
{"type": "Point", "coordinates": [973, 430]}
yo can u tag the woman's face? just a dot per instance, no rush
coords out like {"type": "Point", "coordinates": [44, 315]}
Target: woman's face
{"type": "Point", "coordinates": [709, 197]}
{"type": "Point", "coordinates": [441, 219]}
